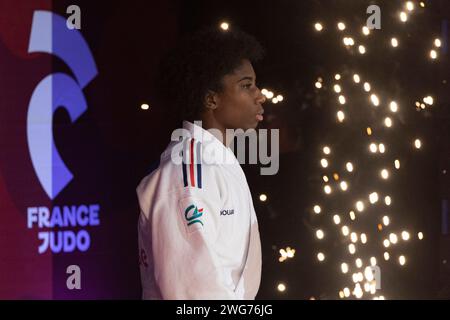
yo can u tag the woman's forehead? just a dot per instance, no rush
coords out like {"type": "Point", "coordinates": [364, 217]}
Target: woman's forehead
{"type": "Point", "coordinates": [245, 70]}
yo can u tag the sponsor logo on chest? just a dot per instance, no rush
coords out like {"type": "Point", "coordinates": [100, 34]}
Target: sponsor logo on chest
{"type": "Point", "coordinates": [226, 212]}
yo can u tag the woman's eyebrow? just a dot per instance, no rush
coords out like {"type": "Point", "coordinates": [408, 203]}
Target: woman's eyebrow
{"type": "Point", "coordinates": [246, 78]}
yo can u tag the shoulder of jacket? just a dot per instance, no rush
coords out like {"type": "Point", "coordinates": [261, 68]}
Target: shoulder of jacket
{"type": "Point", "coordinates": [179, 180]}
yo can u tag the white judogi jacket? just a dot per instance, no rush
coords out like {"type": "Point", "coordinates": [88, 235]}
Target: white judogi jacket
{"type": "Point", "coordinates": [198, 232]}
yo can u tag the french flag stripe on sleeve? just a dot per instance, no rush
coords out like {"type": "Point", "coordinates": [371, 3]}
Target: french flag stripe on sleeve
{"type": "Point", "coordinates": [191, 165]}
{"type": "Point", "coordinates": [184, 163]}
{"type": "Point", "coordinates": [199, 164]}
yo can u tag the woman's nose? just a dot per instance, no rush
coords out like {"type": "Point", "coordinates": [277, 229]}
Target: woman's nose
{"type": "Point", "coordinates": [261, 97]}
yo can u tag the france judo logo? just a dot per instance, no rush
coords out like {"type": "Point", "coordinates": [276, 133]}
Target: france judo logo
{"type": "Point", "coordinates": [193, 215]}
{"type": "Point", "coordinates": [50, 35]}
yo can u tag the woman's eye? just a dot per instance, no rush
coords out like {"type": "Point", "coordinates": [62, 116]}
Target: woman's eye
{"type": "Point", "coordinates": [247, 86]}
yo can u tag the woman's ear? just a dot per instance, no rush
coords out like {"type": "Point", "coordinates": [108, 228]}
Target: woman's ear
{"type": "Point", "coordinates": [211, 100]}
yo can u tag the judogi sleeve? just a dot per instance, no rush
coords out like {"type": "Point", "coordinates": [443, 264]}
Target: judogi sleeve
{"type": "Point", "coordinates": [184, 237]}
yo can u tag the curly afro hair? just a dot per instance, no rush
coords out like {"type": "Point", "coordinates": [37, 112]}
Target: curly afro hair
{"type": "Point", "coordinates": [198, 65]}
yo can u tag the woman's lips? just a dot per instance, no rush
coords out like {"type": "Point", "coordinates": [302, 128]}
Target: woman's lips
{"type": "Point", "coordinates": [259, 115]}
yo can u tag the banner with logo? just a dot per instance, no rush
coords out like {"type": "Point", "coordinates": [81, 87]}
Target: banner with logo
{"type": "Point", "coordinates": [67, 194]}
